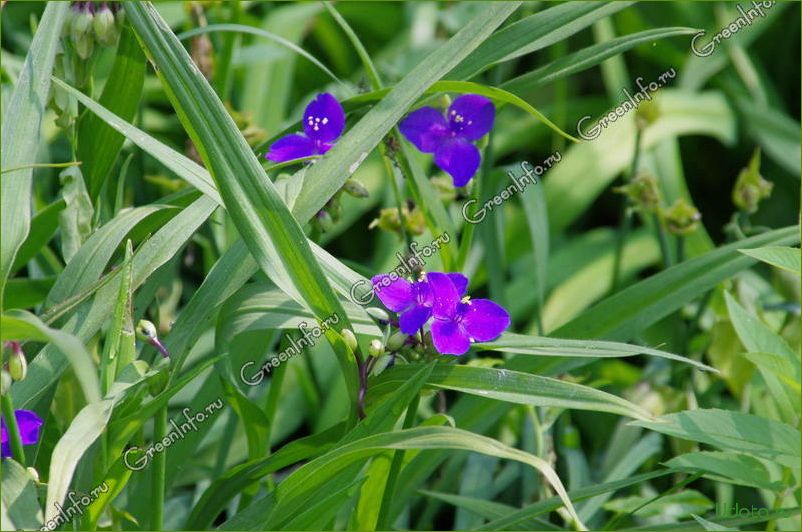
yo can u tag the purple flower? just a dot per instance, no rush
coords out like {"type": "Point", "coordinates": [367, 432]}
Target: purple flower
{"type": "Point", "coordinates": [324, 121]}
{"type": "Point", "coordinates": [28, 423]}
{"type": "Point", "coordinates": [449, 138]}
{"type": "Point", "coordinates": [412, 300]}
{"type": "Point", "coordinates": [456, 323]}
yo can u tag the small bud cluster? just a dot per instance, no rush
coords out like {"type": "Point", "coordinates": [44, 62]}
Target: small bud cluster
{"type": "Point", "coordinates": [680, 218]}
{"type": "Point", "coordinates": [389, 220]}
{"type": "Point", "coordinates": [16, 367]}
{"type": "Point", "coordinates": [750, 187]}
{"type": "Point", "coordinates": [325, 219]}
{"type": "Point", "coordinates": [90, 24]}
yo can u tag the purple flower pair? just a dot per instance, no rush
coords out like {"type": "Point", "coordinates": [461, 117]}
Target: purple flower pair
{"type": "Point", "coordinates": [450, 138]}
{"type": "Point", "coordinates": [456, 321]}
{"type": "Point", "coordinates": [28, 423]}
{"type": "Point", "coordinates": [324, 121]}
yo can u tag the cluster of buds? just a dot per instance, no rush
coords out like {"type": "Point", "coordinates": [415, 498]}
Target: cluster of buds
{"type": "Point", "coordinates": [325, 219]}
{"type": "Point", "coordinates": [89, 23]}
{"type": "Point", "coordinates": [16, 367]}
{"type": "Point", "coordinates": [647, 113]}
{"type": "Point", "coordinates": [750, 187]}
{"type": "Point", "coordinates": [411, 216]}
{"type": "Point", "coordinates": [681, 218]}
{"type": "Point", "coordinates": [643, 192]}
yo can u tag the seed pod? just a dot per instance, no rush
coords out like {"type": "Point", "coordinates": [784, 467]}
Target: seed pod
{"type": "Point", "coordinates": [350, 339]}
{"type": "Point", "coordinates": [81, 32]}
{"type": "Point", "coordinates": [750, 187]}
{"type": "Point", "coordinates": [355, 188]}
{"type": "Point", "coordinates": [324, 221]}
{"type": "Point", "coordinates": [376, 348]}
{"type": "Point", "coordinates": [643, 191]}
{"type": "Point", "coordinates": [681, 218]}
{"type": "Point", "coordinates": [647, 113]}
{"type": "Point", "coordinates": [33, 473]}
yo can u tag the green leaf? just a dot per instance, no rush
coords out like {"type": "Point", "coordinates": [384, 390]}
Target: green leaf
{"type": "Point", "coordinates": [785, 258]}
{"type": "Point", "coordinates": [21, 510]}
{"type": "Point", "coordinates": [281, 41]}
{"type": "Point", "coordinates": [672, 506]}
{"type": "Point", "coordinates": [75, 220]}
{"type": "Point", "coordinates": [546, 346]}
{"type": "Point", "coordinates": [22, 118]}
{"type": "Point", "coordinates": [510, 386]}
{"type": "Point", "coordinates": [732, 431]}
{"type": "Point", "coordinates": [737, 467]}
{"type": "Point", "coordinates": [43, 226]}
{"type": "Point", "coordinates": [98, 143]}
{"type": "Point", "coordinates": [84, 429]}
{"type": "Point", "coordinates": [534, 33]}
{"type": "Point", "coordinates": [26, 293]}
{"type": "Point", "coordinates": [272, 235]}
{"type": "Point", "coordinates": [329, 174]}
{"type": "Point", "coordinates": [23, 326]}
{"type": "Point", "coordinates": [624, 314]}
{"type": "Point", "coordinates": [588, 57]}
{"type": "Point", "coordinates": [776, 132]}
{"type": "Point", "coordinates": [300, 487]}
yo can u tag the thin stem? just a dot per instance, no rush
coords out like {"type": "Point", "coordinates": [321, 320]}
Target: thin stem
{"type": "Point", "coordinates": [13, 430]}
{"type": "Point", "coordinates": [42, 165]}
{"type": "Point", "coordinates": [662, 238]}
{"type": "Point", "coordinates": [223, 74]}
{"type": "Point", "coordinates": [383, 520]}
{"type": "Point", "coordinates": [680, 248]}
{"type": "Point", "coordinates": [625, 222]}
{"type": "Point", "coordinates": [159, 470]}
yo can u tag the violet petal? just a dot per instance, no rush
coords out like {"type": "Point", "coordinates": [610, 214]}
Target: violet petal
{"type": "Point", "coordinates": [471, 116]}
{"type": "Point", "coordinates": [425, 128]}
{"type": "Point", "coordinates": [291, 147]}
{"type": "Point", "coordinates": [484, 320]}
{"type": "Point", "coordinates": [459, 158]}
{"type": "Point", "coordinates": [324, 118]}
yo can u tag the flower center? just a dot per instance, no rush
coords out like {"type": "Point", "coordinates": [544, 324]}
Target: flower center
{"type": "Point", "coordinates": [458, 121]}
{"type": "Point", "coordinates": [315, 122]}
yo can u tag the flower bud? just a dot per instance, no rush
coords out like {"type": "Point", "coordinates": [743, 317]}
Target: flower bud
{"type": "Point", "coordinates": [681, 218]}
{"type": "Point", "coordinates": [355, 188]}
{"type": "Point", "coordinates": [17, 364]}
{"type": "Point", "coordinates": [6, 382]}
{"type": "Point", "coordinates": [323, 221]}
{"type": "Point", "coordinates": [103, 24]}
{"type": "Point", "coordinates": [750, 187]}
{"type": "Point", "coordinates": [146, 332]}
{"type": "Point", "coordinates": [350, 339]}
{"type": "Point", "coordinates": [396, 341]}
{"type": "Point", "coordinates": [33, 473]}
{"type": "Point", "coordinates": [378, 313]}
{"type": "Point", "coordinates": [647, 113]}
{"type": "Point", "coordinates": [643, 191]}
{"type": "Point", "coordinates": [376, 348]}
{"type": "Point", "coordinates": [80, 32]}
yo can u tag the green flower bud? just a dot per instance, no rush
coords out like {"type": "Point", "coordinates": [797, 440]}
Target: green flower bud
{"type": "Point", "coordinates": [647, 113]}
{"type": "Point", "coordinates": [33, 473]}
{"type": "Point", "coordinates": [378, 313]}
{"type": "Point", "coordinates": [350, 339]}
{"type": "Point", "coordinates": [17, 364]}
{"type": "Point", "coordinates": [80, 33]}
{"type": "Point", "coordinates": [750, 187]}
{"type": "Point", "coordinates": [681, 218]}
{"type": "Point", "coordinates": [376, 348]}
{"type": "Point", "coordinates": [5, 386]}
{"type": "Point", "coordinates": [323, 221]}
{"type": "Point", "coordinates": [103, 24]}
{"type": "Point", "coordinates": [147, 333]}
{"type": "Point", "coordinates": [396, 341]}
{"type": "Point", "coordinates": [355, 188]}
{"type": "Point", "coordinates": [643, 191]}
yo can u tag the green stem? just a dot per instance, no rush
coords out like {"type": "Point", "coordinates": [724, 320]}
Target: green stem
{"type": "Point", "coordinates": [399, 198]}
{"type": "Point", "coordinates": [13, 430]}
{"type": "Point", "coordinates": [625, 222]}
{"type": "Point", "coordinates": [662, 238]}
{"type": "Point", "coordinates": [383, 520]}
{"type": "Point", "coordinates": [41, 165]}
{"type": "Point", "coordinates": [223, 74]}
{"type": "Point", "coordinates": [680, 248]}
{"type": "Point", "coordinates": [159, 470]}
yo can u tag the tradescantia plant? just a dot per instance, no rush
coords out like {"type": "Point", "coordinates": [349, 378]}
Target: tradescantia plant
{"type": "Point", "coordinates": [406, 265]}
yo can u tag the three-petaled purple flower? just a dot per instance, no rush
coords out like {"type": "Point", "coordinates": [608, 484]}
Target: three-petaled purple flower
{"type": "Point", "coordinates": [456, 323]}
{"type": "Point", "coordinates": [28, 423]}
{"type": "Point", "coordinates": [450, 138]}
{"type": "Point", "coordinates": [324, 121]}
